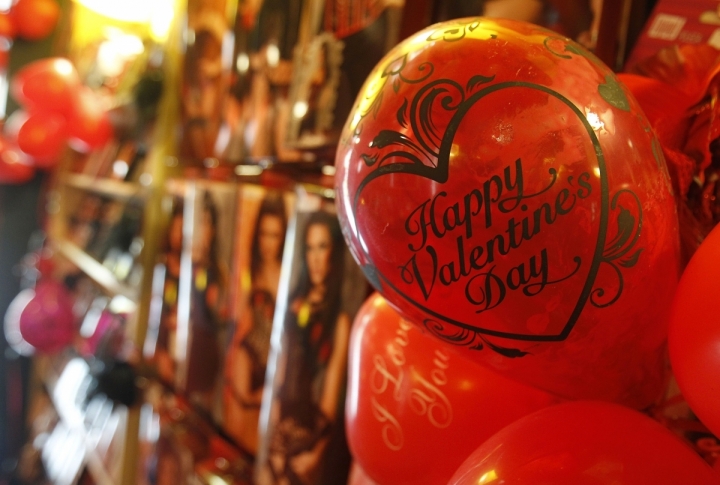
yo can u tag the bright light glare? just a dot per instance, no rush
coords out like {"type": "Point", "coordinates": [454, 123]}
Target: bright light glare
{"type": "Point", "coordinates": [594, 120]}
{"type": "Point", "coordinates": [117, 50]}
{"type": "Point", "coordinates": [161, 20]}
{"type": "Point", "coordinates": [125, 11]}
{"type": "Point", "coordinates": [273, 55]}
{"type": "Point", "coordinates": [120, 168]}
{"type": "Point", "coordinates": [488, 477]}
{"type": "Point", "coordinates": [242, 63]}
{"type": "Point", "coordinates": [300, 109]}
{"type": "Point", "coordinates": [63, 66]}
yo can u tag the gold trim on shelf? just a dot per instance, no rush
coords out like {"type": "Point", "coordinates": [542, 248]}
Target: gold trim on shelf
{"type": "Point", "coordinates": [109, 187]}
{"type": "Point", "coordinates": [95, 270]}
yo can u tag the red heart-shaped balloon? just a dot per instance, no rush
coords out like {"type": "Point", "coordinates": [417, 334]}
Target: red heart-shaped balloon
{"type": "Point", "coordinates": [414, 408]}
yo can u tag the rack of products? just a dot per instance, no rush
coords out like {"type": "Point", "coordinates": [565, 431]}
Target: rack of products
{"type": "Point", "coordinates": [212, 290]}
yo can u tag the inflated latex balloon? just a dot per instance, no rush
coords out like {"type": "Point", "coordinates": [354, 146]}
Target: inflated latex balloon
{"type": "Point", "coordinates": [503, 190]}
{"type": "Point", "coordinates": [47, 322]}
{"type": "Point", "coordinates": [358, 476]}
{"type": "Point", "coordinates": [15, 168]}
{"type": "Point", "coordinates": [89, 122]}
{"type": "Point", "coordinates": [48, 84]}
{"type": "Point", "coordinates": [585, 443]}
{"type": "Point", "coordinates": [42, 136]}
{"type": "Point", "coordinates": [7, 26]}
{"type": "Point", "coordinates": [35, 19]}
{"type": "Point", "coordinates": [695, 332]}
{"type": "Point", "coordinates": [415, 410]}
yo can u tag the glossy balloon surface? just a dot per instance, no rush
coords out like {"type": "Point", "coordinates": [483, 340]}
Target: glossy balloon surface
{"type": "Point", "coordinates": [695, 332]}
{"type": "Point", "coordinates": [48, 84]}
{"type": "Point", "coordinates": [35, 19]}
{"type": "Point", "coordinates": [43, 136]}
{"type": "Point", "coordinates": [47, 322]}
{"type": "Point", "coordinates": [358, 476]}
{"type": "Point", "coordinates": [585, 443]}
{"type": "Point", "coordinates": [415, 409]}
{"type": "Point", "coordinates": [504, 191]}
{"type": "Point", "coordinates": [15, 168]}
{"type": "Point", "coordinates": [89, 122]}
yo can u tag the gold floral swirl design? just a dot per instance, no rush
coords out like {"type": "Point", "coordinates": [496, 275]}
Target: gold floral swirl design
{"type": "Point", "coordinates": [465, 337]}
{"type": "Point", "coordinates": [620, 250]}
{"type": "Point", "coordinates": [392, 432]}
{"type": "Point", "coordinates": [371, 99]}
{"type": "Point", "coordinates": [454, 32]}
{"type": "Point", "coordinates": [610, 89]}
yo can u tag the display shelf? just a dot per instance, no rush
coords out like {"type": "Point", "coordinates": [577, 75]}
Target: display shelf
{"type": "Point", "coordinates": [64, 382]}
{"type": "Point", "coordinates": [97, 468]}
{"type": "Point", "coordinates": [95, 270]}
{"type": "Point", "coordinates": [108, 187]}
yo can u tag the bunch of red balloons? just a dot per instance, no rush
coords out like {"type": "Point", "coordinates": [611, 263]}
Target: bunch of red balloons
{"type": "Point", "coordinates": [56, 109]}
{"type": "Point", "coordinates": [516, 216]}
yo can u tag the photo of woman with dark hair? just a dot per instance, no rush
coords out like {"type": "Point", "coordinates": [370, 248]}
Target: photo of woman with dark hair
{"type": "Point", "coordinates": [164, 355]}
{"type": "Point", "coordinates": [248, 355]}
{"type": "Point", "coordinates": [306, 404]}
{"type": "Point", "coordinates": [207, 286]}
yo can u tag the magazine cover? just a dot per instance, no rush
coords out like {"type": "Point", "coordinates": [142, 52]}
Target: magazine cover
{"type": "Point", "coordinates": [260, 239]}
{"type": "Point", "coordinates": [298, 65]}
{"type": "Point", "coordinates": [302, 423]}
{"type": "Point", "coordinates": [188, 325]}
{"type": "Point", "coordinates": [206, 68]}
{"type": "Point", "coordinates": [204, 297]}
{"type": "Point", "coordinates": [161, 338]}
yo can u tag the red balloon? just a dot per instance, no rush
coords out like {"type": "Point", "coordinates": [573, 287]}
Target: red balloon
{"type": "Point", "coordinates": [414, 408]}
{"type": "Point", "coordinates": [35, 19]}
{"type": "Point", "coordinates": [47, 322]}
{"type": "Point", "coordinates": [585, 443]}
{"type": "Point", "coordinates": [48, 84]}
{"type": "Point", "coordinates": [43, 135]}
{"type": "Point", "coordinates": [516, 206]}
{"type": "Point", "coordinates": [7, 26]}
{"type": "Point", "coordinates": [89, 122]}
{"type": "Point", "coordinates": [15, 168]}
{"type": "Point", "coordinates": [695, 332]}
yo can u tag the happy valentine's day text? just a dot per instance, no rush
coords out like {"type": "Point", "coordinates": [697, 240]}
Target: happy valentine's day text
{"type": "Point", "coordinates": [486, 287]}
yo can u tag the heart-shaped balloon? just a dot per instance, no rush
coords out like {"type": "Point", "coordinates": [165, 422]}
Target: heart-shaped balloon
{"type": "Point", "coordinates": [47, 322]}
{"type": "Point", "coordinates": [585, 443]}
{"type": "Point", "coordinates": [502, 189]}
{"type": "Point", "coordinates": [414, 408]}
